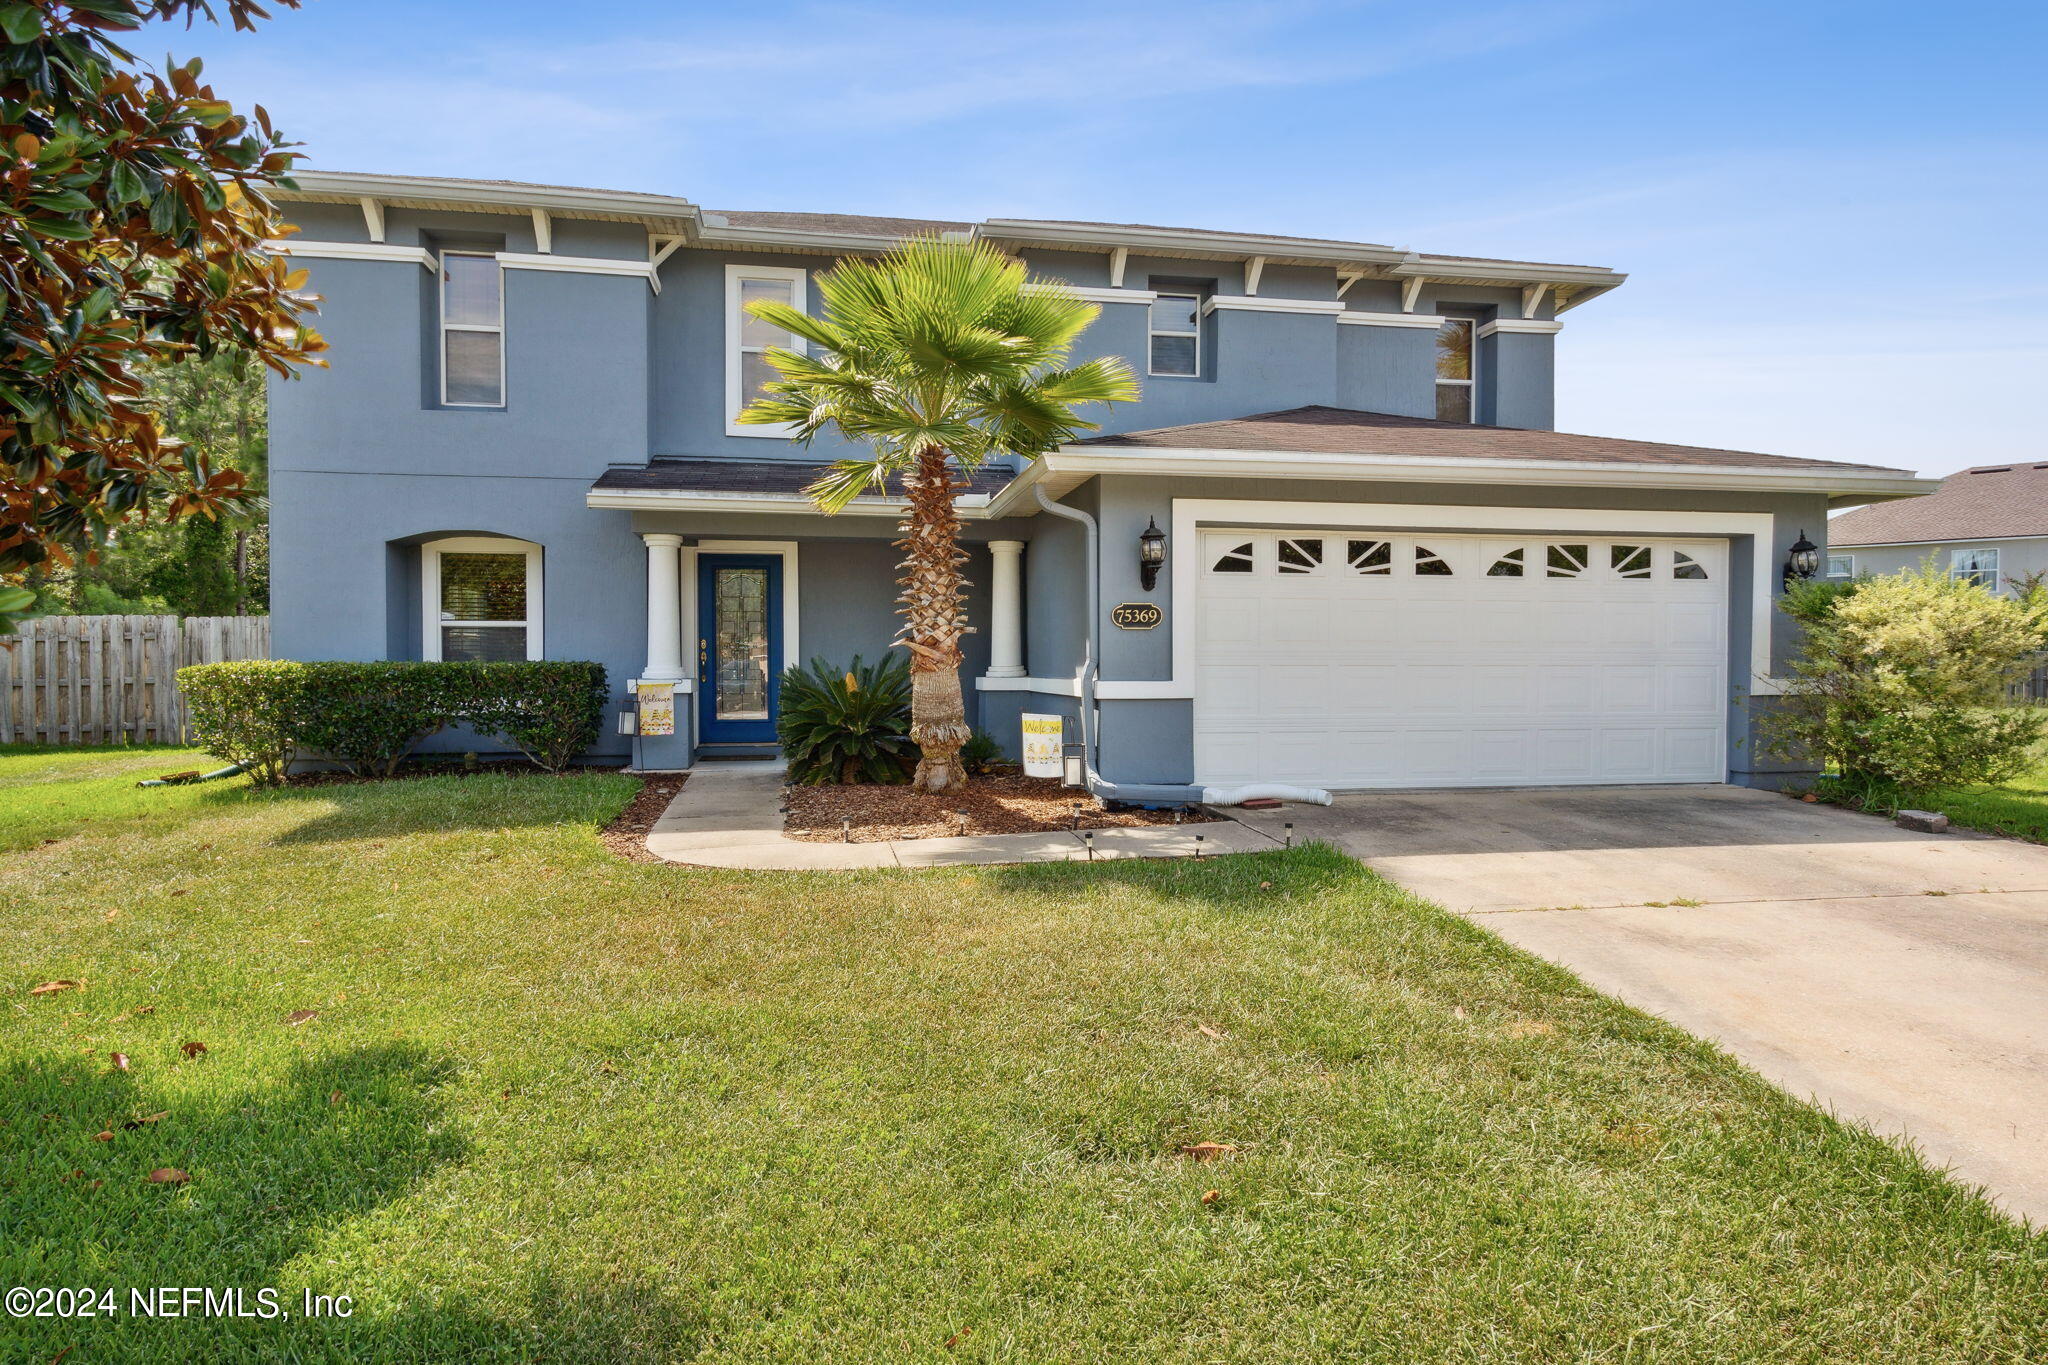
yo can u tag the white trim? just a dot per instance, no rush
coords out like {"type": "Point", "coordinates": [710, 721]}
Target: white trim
{"type": "Point", "coordinates": [679, 684]}
{"type": "Point", "coordinates": [1147, 690]}
{"type": "Point", "coordinates": [1189, 514]}
{"type": "Point", "coordinates": [1006, 609]}
{"type": "Point", "coordinates": [1119, 257]}
{"type": "Point", "coordinates": [1360, 318]}
{"type": "Point", "coordinates": [373, 217]}
{"type": "Point", "coordinates": [1411, 289]}
{"type": "Point", "coordinates": [1532, 298]}
{"type": "Point", "coordinates": [1151, 332]}
{"type": "Point", "coordinates": [444, 327]}
{"type": "Point", "coordinates": [355, 251]}
{"type": "Point", "coordinates": [430, 589]}
{"type": "Point", "coordinates": [1093, 293]}
{"type": "Point", "coordinates": [971, 506]}
{"type": "Point", "coordinates": [1254, 271]}
{"type": "Point", "coordinates": [1997, 561]}
{"type": "Point", "coordinates": [1245, 303]}
{"type": "Point", "coordinates": [1057, 687]}
{"type": "Point", "coordinates": [798, 280]}
{"type": "Point", "coordinates": [579, 265]}
{"type": "Point", "coordinates": [660, 246]}
{"type": "Point", "coordinates": [791, 600]}
{"type": "Point", "coordinates": [543, 231]}
{"type": "Point", "coordinates": [1537, 325]}
{"type": "Point", "coordinates": [1198, 463]}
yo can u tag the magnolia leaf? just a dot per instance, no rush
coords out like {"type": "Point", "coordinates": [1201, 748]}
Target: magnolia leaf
{"type": "Point", "coordinates": [168, 1175]}
{"type": "Point", "coordinates": [52, 987]}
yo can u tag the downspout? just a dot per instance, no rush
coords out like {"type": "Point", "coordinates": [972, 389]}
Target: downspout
{"type": "Point", "coordinates": [1138, 793]}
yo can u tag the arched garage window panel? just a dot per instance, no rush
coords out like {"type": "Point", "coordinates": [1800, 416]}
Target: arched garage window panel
{"type": "Point", "coordinates": [482, 597]}
{"type": "Point", "coordinates": [1684, 565]}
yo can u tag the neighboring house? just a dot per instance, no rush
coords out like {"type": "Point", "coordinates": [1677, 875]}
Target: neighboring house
{"type": "Point", "coordinates": [1383, 568]}
{"type": "Point", "coordinates": [1988, 524]}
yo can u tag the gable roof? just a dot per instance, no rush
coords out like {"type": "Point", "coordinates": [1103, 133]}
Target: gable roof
{"type": "Point", "coordinates": [1989, 502]}
{"type": "Point", "coordinates": [1352, 431]}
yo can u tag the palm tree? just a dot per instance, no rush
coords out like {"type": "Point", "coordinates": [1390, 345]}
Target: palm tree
{"type": "Point", "coordinates": [936, 357]}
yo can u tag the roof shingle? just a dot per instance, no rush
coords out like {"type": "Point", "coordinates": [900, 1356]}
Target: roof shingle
{"type": "Point", "coordinates": [1989, 502]}
{"type": "Point", "coordinates": [1350, 431]}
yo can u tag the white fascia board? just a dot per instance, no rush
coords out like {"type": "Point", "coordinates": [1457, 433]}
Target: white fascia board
{"type": "Point", "coordinates": [1171, 462]}
{"type": "Point", "coordinates": [1509, 272]}
{"type": "Point", "coordinates": [1250, 303]}
{"type": "Point", "coordinates": [819, 243]}
{"type": "Point", "coordinates": [1358, 317]}
{"type": "Point", "coordinates": [581, 265]}
{"type": "Point", "coordinates": [1092, 293]}
{"type": "Point", "coordinates": [560, 199]}
{"type": "Point", "coordinates": [353, 251]}
{"type": "Point", "coordinates": [1110, 689]}
{"type": "Point", "coordinates": [1219, 245]}
{"type": "Point", "coordinates": [1055, 687]}
{"type": "Point", "coordinates": [972, 506]}
{"type": "Point", "coordinates": [1536, 325]}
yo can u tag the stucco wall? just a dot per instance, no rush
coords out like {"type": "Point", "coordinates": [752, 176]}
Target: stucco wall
{"type": "Point", "coordinates": [2016, 558]}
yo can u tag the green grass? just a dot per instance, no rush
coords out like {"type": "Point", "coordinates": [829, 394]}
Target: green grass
{"type": "Point", "coordinates": [2018, 808]}
{"type": "Point", "coordinates": [556, 1106]}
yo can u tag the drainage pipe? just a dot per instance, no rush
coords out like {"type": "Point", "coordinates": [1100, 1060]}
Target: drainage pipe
{"type": "Point", "coordinates": [228, 771]}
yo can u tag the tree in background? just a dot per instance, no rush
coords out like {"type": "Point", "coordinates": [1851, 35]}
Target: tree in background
{"type": "Point", "coordinates": [133, 210]}
{"type": "Point", "coordinates": [937, 358]}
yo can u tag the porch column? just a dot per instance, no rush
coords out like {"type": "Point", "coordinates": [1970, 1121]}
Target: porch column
{"type": "Point", "coordinates": [664, 607]}
{"type": "Point", "coordinates": [1006, 609]}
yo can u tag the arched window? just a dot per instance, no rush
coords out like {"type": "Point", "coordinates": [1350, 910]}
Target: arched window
{"type": "Point", "coordinates": [482, 599]}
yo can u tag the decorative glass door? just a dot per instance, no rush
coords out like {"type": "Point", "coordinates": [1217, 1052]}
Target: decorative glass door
{"type": "Point", "coordinates": [739, 647]}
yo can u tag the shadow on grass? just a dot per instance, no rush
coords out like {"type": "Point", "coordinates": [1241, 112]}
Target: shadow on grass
{"type": "Point", "coordinates": [1229, 881]}
{"type": "Point", "coordinates": [488, 801]}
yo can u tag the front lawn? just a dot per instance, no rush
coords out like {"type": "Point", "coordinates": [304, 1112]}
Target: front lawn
{"type": "Point", "coordinates": [2018, 808]}
{"type": "Point", "coordinates": [554, 1106]}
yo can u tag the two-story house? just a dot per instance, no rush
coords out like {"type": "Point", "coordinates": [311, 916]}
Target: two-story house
{"type": "Point", "coordinates": [1383, 567]}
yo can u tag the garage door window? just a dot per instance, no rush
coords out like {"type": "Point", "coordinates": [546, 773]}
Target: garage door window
{"type": "Point", "coordinates": [1566, 561]}
{"type": "Point", "coordinates": [1301, 556]}
{"type": "Point", "coordinates": [1630, 561]}
{"type": "Point", "coordinates": [1370, 556]}
{"type": "Point", "coordinates": [1508, 565]}
{"type": "Point", "coordinates": [1684, 565]}
{"type": "Point", "coordinates": [1430, 564]}
{"type": "Point", "coordinates": [1234, 560]}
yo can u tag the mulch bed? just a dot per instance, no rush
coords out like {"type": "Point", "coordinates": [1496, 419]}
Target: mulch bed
{"type": "Point", "coordinates": [627, 835]}
{"type": "Point", "coordinates": [993, 805]}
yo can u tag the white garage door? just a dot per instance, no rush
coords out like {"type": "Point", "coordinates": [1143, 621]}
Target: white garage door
{"type": "Point", "coordinates": [1350, 659]}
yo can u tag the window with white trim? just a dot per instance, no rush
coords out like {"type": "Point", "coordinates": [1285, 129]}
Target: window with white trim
{"type": "Point", "coordinates": [1176, 334]}
{"type": "Point", "coordinates": [1456, 364]}
{"type": "Point", "coordinates": [482, 596]}
{"type": "Point", "coordinates": [748, 339]}
{"type": "Point", "coordinates": [1979, 566]}
{"type": "Point", "coordinates": [1841, 566]}
{"type": "Point", "coordinates": [472, 330]}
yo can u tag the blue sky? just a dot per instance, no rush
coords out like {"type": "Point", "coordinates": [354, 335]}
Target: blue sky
{"type": "Point", "coordinates": [1832, 213]}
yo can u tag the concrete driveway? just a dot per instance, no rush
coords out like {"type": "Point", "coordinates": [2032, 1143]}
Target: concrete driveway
{"type": "Point", "coordinates": [1899, 979]}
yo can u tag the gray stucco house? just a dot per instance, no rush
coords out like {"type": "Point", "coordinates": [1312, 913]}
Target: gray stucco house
{"type": "Point", "coordinates": [1383, 567]}
{"type": "Point", "coordinates": [1988, 524]}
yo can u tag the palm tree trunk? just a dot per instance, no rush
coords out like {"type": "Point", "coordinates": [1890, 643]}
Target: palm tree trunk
{"type": "Point", "coordinates": [934, 621]}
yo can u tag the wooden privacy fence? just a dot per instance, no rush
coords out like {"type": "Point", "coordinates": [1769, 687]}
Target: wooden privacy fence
{"type": "Point", "coordinates": [109, 679]}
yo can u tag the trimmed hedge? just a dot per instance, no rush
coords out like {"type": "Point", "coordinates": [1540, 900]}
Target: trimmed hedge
{"type": "Point", "coordinates": [368, 717]}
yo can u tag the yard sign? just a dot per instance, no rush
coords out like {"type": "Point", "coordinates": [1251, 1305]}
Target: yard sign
{"type": "Point", "coordinates": [1043, 736]}
{"type": "Point", "coordinates": [657, 708]}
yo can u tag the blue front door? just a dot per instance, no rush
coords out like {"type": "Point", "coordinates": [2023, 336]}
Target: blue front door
{"type": "Point", "coordinates": [739, 647]}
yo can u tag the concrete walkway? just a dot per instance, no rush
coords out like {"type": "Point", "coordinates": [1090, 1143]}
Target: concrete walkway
{"type": "Point", "coordinates": [730, 815]}
{"type": "Point", "coordinates": [1899, 979]}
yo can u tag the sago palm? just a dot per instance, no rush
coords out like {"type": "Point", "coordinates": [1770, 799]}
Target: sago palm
{"type": "Point", "coordinates": [936, 358]}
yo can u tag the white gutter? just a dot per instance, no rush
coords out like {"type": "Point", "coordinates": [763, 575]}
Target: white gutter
{"type": "Point", "coordinates": [511, 198]}
{"type": "Point", "coordinates": [1159, 461]}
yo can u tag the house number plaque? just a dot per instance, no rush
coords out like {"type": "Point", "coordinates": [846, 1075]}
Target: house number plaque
{"type": "Point", "coordinates": [1135, 615]}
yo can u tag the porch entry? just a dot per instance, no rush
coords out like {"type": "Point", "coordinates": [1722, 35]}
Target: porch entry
{"type": "Point", "coordinates": [739, 647]}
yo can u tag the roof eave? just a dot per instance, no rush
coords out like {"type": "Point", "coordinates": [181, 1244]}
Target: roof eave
{"type": "Point", "coordinates": [1859, 481]}
{"type": "Point", "coordinates": [404, 190]}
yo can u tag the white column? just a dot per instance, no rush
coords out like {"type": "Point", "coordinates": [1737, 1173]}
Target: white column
{"type": "Point", "coordinates": [664, 607]}
{"type": "Point", "coordinates": [1006, 609]}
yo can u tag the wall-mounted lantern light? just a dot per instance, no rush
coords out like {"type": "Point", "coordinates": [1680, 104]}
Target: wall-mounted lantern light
{"type": "Point", "coordinates": [1151, 553]}
{"type": "Point", "coordinates": [1802, 563]}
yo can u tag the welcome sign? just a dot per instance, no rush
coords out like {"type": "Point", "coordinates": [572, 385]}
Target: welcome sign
{"type": "Point", "coordinates": [657, 708]}
{"type": "Point", "coordinates": [1043, 736]}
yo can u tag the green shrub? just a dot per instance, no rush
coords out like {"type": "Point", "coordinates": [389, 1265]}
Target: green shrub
{"type": "Point", "coordinates": [250, 712]}
{"type": "Point", "coordinates": [368, 717]}
{"type": "Point", "coordinates": [1901, 683]}
{"type": "Point", "coordinates": [980, 754]}
{"type": "Point", "coordinates": [847, 725]}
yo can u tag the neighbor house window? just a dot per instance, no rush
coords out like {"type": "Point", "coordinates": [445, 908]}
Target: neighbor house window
{"type": "Point", "coordinates": [1454, 370]}
{"type": "Point", "coordinates": [1177, 334]}
{"type": "Point", "coordinates": [472, 330]}
{"type": "Point", "coordinates": [748, 339]}
{"type": "Point", "coordinates": [1976, 566]}
{"type": "Point", "coordinates": [1841, 566]}
{"type": "Point", "coordinates": [483, 599]}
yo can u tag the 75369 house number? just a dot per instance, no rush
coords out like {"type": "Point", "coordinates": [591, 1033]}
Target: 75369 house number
{"type": "Point", "coordinates": [1136, 615]}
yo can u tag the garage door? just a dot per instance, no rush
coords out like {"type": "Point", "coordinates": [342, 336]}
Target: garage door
{"type": "Point", "coordinates": [1349, 659]}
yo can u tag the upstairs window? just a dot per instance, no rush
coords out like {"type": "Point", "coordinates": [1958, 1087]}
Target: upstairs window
{"type": "Point", "coordinates": [1454, 370]}
{"type": "Point", "coordinates": [472, 330]}
{"type": "Point", "coordinates": [482, 596]}
{"type": "Point", "coordinates": [748, 339]}
{"type": "Point", "coordinates": [1177, 334]}
{"type": "Point", "coordinates": [1975, 566]}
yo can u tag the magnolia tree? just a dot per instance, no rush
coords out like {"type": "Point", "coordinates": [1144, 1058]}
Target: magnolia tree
{"type": "Point", "coordinates": [1902, 681]}
{"type": "Point", "coordinates": [134, 207]}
